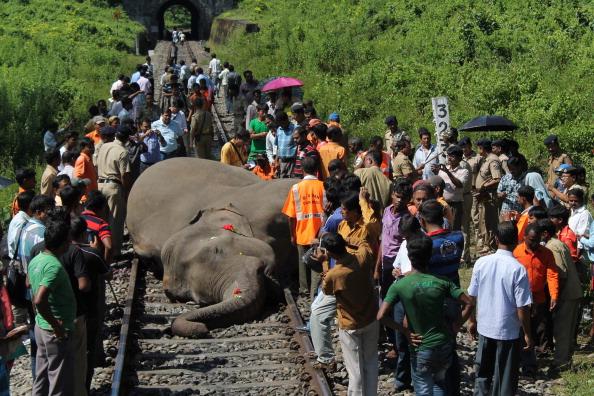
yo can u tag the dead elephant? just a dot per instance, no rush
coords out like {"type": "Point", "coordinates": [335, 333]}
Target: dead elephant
{"type": "Point", "coordinates": [218, 233]}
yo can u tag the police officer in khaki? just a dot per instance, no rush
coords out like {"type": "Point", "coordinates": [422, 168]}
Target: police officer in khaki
{"type": "Point", "coordinates": [470, 161]}
{"type": "Point", "coordinates": [486, 182]}
{"type": "Point", "coordinates": [401, 164]}
{"type": "Point", "coordinates": [113, 170]}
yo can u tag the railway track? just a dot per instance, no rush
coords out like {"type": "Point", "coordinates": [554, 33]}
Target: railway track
{"type": "Point", "coordinates": [262, 357]}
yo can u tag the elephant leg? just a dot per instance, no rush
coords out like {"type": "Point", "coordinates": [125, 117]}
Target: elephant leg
{"type": "Point", "coordinates": [245, 305]}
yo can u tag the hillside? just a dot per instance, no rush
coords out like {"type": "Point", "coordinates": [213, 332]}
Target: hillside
{"type": "Point", "coordinates": [56, 58]}
{"type": "Point", "coordinates": [531, 61]}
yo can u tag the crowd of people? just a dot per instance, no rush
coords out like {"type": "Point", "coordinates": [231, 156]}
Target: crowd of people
{"type": "Point", "coordinates": [381, 231]}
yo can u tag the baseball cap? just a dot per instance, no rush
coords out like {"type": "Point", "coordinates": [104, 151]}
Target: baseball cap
{"type": "Point", "coordinates": [334, 117]}
{"type": "Point", "coordinates": [391, 120]}
{"type": "Point", "coordinates": [563, 168]}
{"type": "Point", "coordinates": [551, 139]}
{"type": "Point", "coordinates": [99, 120]}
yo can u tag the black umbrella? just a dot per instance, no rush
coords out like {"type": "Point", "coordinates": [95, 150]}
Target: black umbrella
{"type": "Point", "coordinates": [4, 182]}
{"type": "Point", "coordinates": [488, 123]}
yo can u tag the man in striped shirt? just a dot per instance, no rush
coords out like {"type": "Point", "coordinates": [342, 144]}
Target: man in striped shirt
{"type": "Point", "coordinates": [95, 213]}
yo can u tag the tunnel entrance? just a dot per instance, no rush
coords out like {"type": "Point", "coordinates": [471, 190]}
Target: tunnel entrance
{"type": "Point", "coordinates": [180, 14]}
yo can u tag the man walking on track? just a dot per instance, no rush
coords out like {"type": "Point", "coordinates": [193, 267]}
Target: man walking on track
{"type": "Point", "coordinates": [114, 182]}
{"type": "Point", "coordinates": [305, 208]}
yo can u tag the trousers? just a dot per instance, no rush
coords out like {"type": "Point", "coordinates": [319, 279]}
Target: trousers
{"type": "Point", "coordinates": [429, 367]}
{"type": "Point", "coordinates": [304, 274]}
{"type": "Point", "coordinates": [117, 212]}
{"type": "Point", "coordinates": [457, 209]}
{"type": "Point", "coordinates": [496, 365]}
{"type": "Point", "coordinates": [204, 147]}
{"type": "Point", "coordinates": [565, 320]}
{"type": "Point", "coordinates": [402, 375]}
{"type": "Point", "coordinates": [488, 220]}
{"type": "Point", "coordinates": [323, 314]}
{"type": "Point", "coordinates": [79, 352]}
{"type": "Point", "coordinates": [54, 365]}
{"type": "Point", "coordinates": [466, 218]}
{"type": "Point", "coordinates": [359, 351]}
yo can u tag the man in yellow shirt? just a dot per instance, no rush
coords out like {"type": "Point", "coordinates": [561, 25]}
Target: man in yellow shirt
{"type": "Point", "coordinates": [233, 152]}
{"type": "Point", "coordinates": [305, 208]}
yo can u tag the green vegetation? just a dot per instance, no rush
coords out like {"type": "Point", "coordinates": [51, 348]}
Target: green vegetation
{"type": "Point", "coordinates": [178, 16]}
{"type": "Point", "coordinates": [531, 61]}
{"type": "Point", "coordinates": [56, 59]}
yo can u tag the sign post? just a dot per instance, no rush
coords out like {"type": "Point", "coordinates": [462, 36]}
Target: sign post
{"type": "Point", "coordinates": [441, 117]}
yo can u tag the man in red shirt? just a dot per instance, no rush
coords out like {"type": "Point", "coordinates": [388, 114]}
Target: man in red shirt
{"type": "Point", "coordinates": [542, 271]}
{"type": "Point", "coordinates": [559, 215]}
{"type": "Point", "coordinates": [95, 213]}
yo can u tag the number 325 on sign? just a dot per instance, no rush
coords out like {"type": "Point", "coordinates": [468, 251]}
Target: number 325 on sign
{"type": "Point", "coordinates": [441, 114]}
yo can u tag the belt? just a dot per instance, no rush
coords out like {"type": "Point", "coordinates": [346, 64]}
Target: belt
{"type": "Point", "coordinates": [115, 181]}
{"type": "Point", "coordinates": [287, 159]}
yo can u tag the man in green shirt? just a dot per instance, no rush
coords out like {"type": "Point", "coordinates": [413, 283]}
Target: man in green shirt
{"type": "Point", "coordinates": [56, 309]}
{"type": "Point", "coordinates": [258, 131]}
{"type": "Point", "coordinates": [423, 296]}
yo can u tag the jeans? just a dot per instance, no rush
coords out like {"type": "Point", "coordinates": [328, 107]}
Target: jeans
{"type": "Point", "coordinates": [428, 368]}
{"type": "Point", "coordinates": [402, 373]}
{"type": "Point", "coordinates": [323, 313]}
{"type": "Point", "coordinates": [386, 280]}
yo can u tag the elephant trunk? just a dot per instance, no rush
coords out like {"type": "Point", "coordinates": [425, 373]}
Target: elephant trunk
{"type": "Point", "coordinates": [241, 302]}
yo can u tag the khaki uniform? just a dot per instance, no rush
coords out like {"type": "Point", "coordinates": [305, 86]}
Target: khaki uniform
{"type": "Point", "coordinates": [201, 133]}
{"type": "Point", "coordinates": [503, 159]}
{"type": "Point", "coordinates": [112, 164]}
{"type": "Point", "coordinates": [489, 169]}
{"type": "Point", "coordinates": [470, 205]}
{"type": "Point", "coordinates": [401, 166]}
{"type": "Point", "coordinates": [389, 138]}
{"type": "Point", "coordinates": [554, 163]}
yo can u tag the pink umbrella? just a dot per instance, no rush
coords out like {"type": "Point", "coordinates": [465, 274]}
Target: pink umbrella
{"type": "Point", "coordinates": [280, 83]}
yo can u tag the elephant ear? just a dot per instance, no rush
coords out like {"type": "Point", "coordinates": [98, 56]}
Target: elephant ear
{"type": "Point", "coordinates": [228, 218]}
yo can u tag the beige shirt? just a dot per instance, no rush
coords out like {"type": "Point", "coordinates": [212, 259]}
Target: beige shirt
{"type": "Point", "coordinates": [201, 124]}
{"type": "Point", "coordinates": [112, 161]}
{"type": "Point", "coordinates": [503, 159]}
{"type": "Point", "coordinates": [376, 183]}
{"type": "Point", "coordinates": [554, 163]}
{"type": "Point", "coordinates": [468, 184]}
{"type": "Point", "coordinates": [389, 138]}
{"type": "Point", "coordinates": [350, 282]}
{"type": "Point", "coordinates": [401, 166]}
{"type": "Point", "coordinates": [473, 161]}
{"type": "Point", "coordinates": [489, 169]}
{"type": "Point", "coordinates": [47, 179]}
{"type": "Point", "coordinates": [569, 282]}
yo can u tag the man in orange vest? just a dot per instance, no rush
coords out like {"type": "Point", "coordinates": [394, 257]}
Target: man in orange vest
{"type": "Point", "coordinates": [305, 208]}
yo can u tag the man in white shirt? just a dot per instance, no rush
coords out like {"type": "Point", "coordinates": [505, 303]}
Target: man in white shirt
{"type": "Point", "coordinates": [214, 68]}
{"type": "Point", "coordinates": [223, 80]}
{"type": "Point", "coordinates": [500, 284]}
{"type": "Point", "coordinates": [70, 141]}
{"type": "Point", "coordinates": [456, 179]}
{"type": "Point", "coordinates": [580, 219]}
{"type": "Point", "coordinates": [425, 155]}
{"type": "Point", "coordinates": [19, 221]}
{"type": "Point", "coordinates": [117, 85]}
{"type": "Point", "coordinates": [68, 161]}
{"type": "Point", "coordinates": [144, 83]}
{"type": "Point", "coordinates": [169, 135]}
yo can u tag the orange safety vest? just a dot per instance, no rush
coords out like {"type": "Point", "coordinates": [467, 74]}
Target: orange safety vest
{"type": "Point", "coordinates": [305, 202]}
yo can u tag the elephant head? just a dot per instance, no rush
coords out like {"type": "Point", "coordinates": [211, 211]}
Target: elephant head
{"type": "Point", "coordinates": [216, 261]}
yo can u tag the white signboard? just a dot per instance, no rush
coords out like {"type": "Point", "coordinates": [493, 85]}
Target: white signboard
{"type": "Point", "coordinates": [441, 117]}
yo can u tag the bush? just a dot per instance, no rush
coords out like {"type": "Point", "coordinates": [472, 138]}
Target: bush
{"type": "Point", "coordinates": [366, 59]}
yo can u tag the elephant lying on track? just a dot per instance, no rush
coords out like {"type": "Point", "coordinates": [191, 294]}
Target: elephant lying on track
{"type": "Point", "coordinates": [219, 235]}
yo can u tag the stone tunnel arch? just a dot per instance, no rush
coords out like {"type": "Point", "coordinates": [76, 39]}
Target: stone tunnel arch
{"type": "Point", "coordinates": [196, 31]}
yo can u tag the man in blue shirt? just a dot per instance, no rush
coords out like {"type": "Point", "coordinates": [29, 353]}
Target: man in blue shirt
{"type": "Point", "coordinates": [286, 146]}
{"type": "Point", "coordinates": [171, 134]}
{"type": "Point", "coordinates": [152, 155]}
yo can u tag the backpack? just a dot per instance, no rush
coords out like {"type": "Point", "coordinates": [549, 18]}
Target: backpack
{"type": "Point", "coordinates": [234, 81]}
